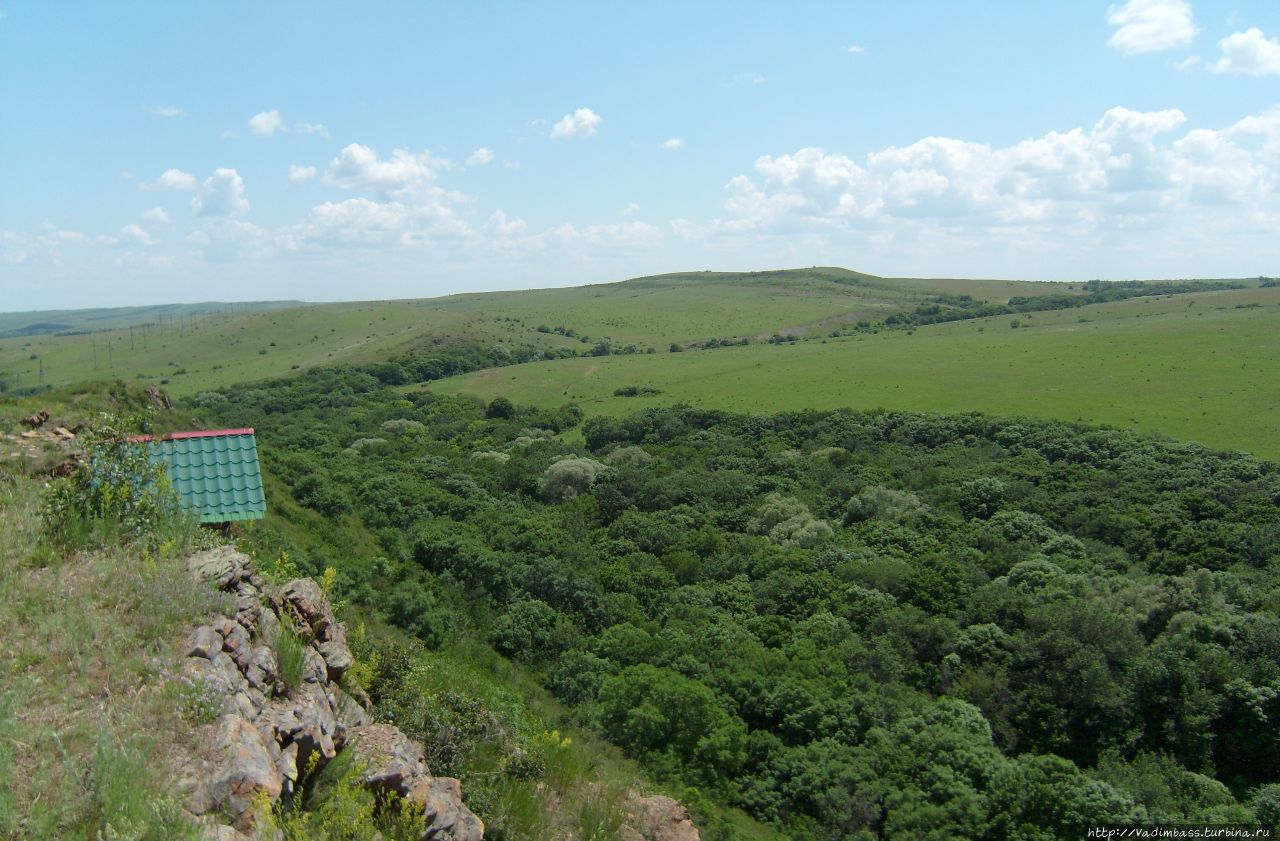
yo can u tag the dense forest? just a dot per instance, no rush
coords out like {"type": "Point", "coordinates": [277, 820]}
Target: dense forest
{"type": "Point", "coordinates": [850, 624]}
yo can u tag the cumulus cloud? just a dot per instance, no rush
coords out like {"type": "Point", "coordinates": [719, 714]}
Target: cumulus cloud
{"type": "Point", "coordinates": [624, 235]}
{"type": "Point", "coordinates": [165, 110]}
{"type": "Point", "coordinates": [1148, 26]}
{"type": "Point", "coordinates": [156, 215]}
{"type": "Point", "coordinates": [222, 194]}
{"type": "Point", "coordinates": [857, 49]}
{"type": "Point", "coordinates": [266, 123]}
{"type": "Point", "coordinates": [311, 128]}
{"type": "Point", "coordinates": [136, 235]}
{"type": "Point", "coordinates": [1249, 53]}
{"type": "Point", "coordinates": [673, 144]}
{"type": "Point", "coordinates": [358, 166]}
{"type": "Point", "coordinates": [499, 225]}
{"type": "Point", "coordinates": [430, 215]}
{"type": "Point", "coordinates": [173, 179]}
{"type": "Point", "coordinates": [581, 123]}
{"type": "Point", "coordinates": [298, 174]}
{"type": "Point", "coordinates": [480, 157]}
{"type": "Point", "coordinates": [1124, 170]}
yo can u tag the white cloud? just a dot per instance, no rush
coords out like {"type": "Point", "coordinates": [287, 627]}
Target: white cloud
{"type": "Point", "coordinates": [222, 194]}
{"type": "Point", "coordinates": [673, 144]}
{"type": "Point", "coordinates": [136, 235]}
{"type": "Point", "coordinates": [1249, 53]}
{"type": "Point", "coordinates": [624, 235]}
{"type": "Point", "coordinates": [311, 128]}
{"type": "Point", "coordinates": [581, 123]}
{"type": "Point", "coordinates": [1188, 62]}
{"type": "Point", "coordinates": [857, 49]}
{"type": "Point", "coordinates": [630, 209]}
{"type": "Point", "coordinates": [480, 157]}
{"type": "Point", "coordinates": [156, 215]}
{"type": "Point", "coordinates": [1148, 26]}
{"type": "Point", "coordinates": [266, 123]}
{"type": "Point", "coordinates": [1122, 172]}
{"type": "Point", "coordinates": [365, 222]}
{"type": "Point", "coordinates": [298, 174]}
{"type": "Point", "coordinates": [173, 179]}
{"type": "Point", "coordinates": [165, 110]}
{"type": "Point", "coordinates": [499, 225]}
{"type": "Point", "coordinates": [359, 166]}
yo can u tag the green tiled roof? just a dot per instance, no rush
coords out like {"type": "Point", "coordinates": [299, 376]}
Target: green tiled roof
{"type": "Point", "coordinates": [215, 473]}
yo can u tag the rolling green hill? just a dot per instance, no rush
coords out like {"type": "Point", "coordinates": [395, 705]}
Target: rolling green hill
{"type": "Point", "coordinates": [1198, 367]}
{"type": "Point", "coordinates": [45, 322]}
{"type": "Point", "coordinates": [188, 354]}
{"type": "Point", "coordinates": [1192, 365]}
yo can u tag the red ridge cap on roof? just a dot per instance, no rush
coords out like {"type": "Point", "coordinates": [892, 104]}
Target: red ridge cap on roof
{"type": "Point", "coordinates": [206, 433]}
{"type": "Point", "coordinates": [209, 433]}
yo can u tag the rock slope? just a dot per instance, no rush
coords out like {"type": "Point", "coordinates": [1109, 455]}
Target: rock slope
{"type": "Point", "coordinates": [267, 734]}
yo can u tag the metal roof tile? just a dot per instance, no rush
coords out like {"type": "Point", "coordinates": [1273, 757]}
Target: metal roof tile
{"type": "Point", "coordinates": [217, 475]}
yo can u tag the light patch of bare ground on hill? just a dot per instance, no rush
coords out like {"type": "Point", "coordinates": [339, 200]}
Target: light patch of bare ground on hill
{"type": "Point", "coordinates": [88, 716]}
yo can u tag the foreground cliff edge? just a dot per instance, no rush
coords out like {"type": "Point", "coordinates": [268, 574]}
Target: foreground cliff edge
{"type": "Point", "coordinates": [269, 733]}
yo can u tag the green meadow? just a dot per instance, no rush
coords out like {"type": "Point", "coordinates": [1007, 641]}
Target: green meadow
{"type": "Point", "coordinates": [190, 348]}
{"type": "Point", "coordinates": [1198, 367]}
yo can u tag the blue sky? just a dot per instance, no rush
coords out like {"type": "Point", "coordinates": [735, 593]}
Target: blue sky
{"type": "Point", "coordinates": [156, 152]}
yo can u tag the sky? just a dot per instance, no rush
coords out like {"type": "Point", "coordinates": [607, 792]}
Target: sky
{"type": "Point", "coordinates": [169, 152]}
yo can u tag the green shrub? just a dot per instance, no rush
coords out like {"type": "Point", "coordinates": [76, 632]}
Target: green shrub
{"type": "Point", "coordinates": [291, 656]}
{"type": "Point", "coordinates": [116, 495]}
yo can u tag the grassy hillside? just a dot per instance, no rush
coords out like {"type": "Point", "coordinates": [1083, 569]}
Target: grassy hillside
{"type": "Point", "coordinates": [43, 322]}
{"type": "Point", "coordinates": [1197, 367]}
{"type": "Point", "coordinates": [1190, 365]}
{"type": "Point", "coordinates": [190, 354]}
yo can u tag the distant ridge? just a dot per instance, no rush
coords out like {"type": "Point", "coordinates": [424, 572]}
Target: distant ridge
{"type": "Point", "coordinates": [51, 322]}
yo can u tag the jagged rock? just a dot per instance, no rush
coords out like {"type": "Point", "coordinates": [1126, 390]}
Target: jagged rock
{"type": "Point", "coordinates": [244, 706]}
{"type": "Point", "coordinates": [317, 724]}
{"type": "Point", "coordinates": [261, 669]}
{"type": "Point", "coordinates": [447, 818]}
{"type": "Point", "coordinates": [244, 769]}
{"type": "Point", "coordinates": [222, 833]}
{"type": "Point", "coordinates": [349, 712]}
{"type": "Point", "coordinates": [393, 763]}
{"type": "Point", "coordinates": [337, 657]}
{"type": "Point", "coordinates": [657, 818]}
{"type": "Point", "coordinates": [266, 739]}
{"type": "Point", "coordinates": [287, 765]}
{"type": "Point", "coordinates": [37, 420]}
{"type": "Point", "coordinates": [159, 398]}
{"type": "Point", "coordinates": [204, 642]}
{"type": "Point", "coordinates": [230, 672]}
{"type": "Point", "coordinates": [221, 566]}
{"type": "Point", "coordinates": [248, 610]}
{"type": "Point", "coordinates": [309, 606]}
{"type": "Point", "coordinates": [268, 626]}
{"type": "Point", "coordinates": [235, 641]}
{"type": "Point", "coordinates": [314, 669]}
{"type": "Point", "coordinates": [198, 670]}
{"type": "Point", "coordinates": [279, 721]}
{"type": "Point", "coordinates": [66, 467]}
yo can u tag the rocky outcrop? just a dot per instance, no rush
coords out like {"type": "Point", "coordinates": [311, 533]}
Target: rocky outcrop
{"type": "Point", "coordinates": [393, 763]}
{"type": "Point", "coordinates": [267, 736]}
{"type": "Point", "coordinates": [657, 818]}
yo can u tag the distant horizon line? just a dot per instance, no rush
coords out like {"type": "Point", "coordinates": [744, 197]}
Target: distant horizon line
{"type": "Point", "coordinates": [306, 302]}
